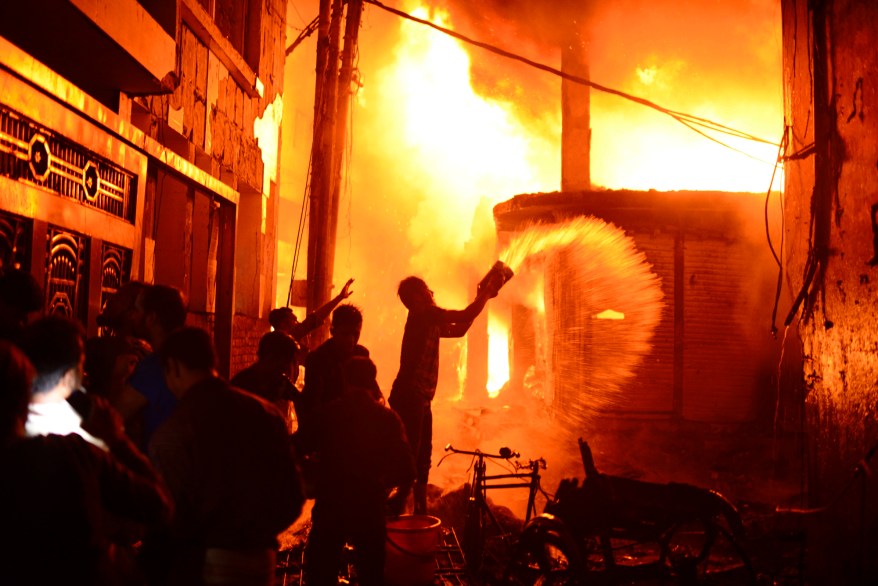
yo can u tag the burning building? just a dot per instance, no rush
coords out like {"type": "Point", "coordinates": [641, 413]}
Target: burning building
{"type": "Point", "coordinates": [140, 140]}
{"type": "Point", "coordinates": [507, 144]}
{"type": "Point", "coordinates": [445, 135]}
{"type": "Point", "coordinates": [706, 356]}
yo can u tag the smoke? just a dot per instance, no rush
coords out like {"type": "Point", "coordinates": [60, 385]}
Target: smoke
{"type": "Point", "coordinates": [430, 158]}
{"type": "Point", "coordinates": [719, 60]}
{"type": "Point", "coordinates": [441, 132]}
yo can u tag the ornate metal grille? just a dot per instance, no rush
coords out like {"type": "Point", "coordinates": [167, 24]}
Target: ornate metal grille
{"type": "Point", "coordinates": [66, 273]}
{"type": "Point", "coordinates": [32, 153]}
{"type": "Point", "coordinates": [115, 269]}
{"type": "Point", "coordinates": [15, 238]}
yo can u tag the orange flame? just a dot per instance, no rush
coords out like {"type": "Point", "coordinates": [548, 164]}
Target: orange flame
{"type": "Point", "coordinates": [498, 354]}
{"type": "Point", "coordinates": [428, 149]}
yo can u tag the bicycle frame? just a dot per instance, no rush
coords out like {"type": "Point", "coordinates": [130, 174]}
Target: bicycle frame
{"type": "Point", "coordinates": [478, 511]}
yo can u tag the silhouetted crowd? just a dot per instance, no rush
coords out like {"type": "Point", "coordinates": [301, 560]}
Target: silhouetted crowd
{"type": "Point", "coordinates": [126, 458]}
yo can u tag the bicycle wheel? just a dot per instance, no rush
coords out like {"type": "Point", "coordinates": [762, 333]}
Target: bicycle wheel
{"type": "Point", "coordinates": [545, 556]}
{"type": "Point", "coordinates": [706, 552]}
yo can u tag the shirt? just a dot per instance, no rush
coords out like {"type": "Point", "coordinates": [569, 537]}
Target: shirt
{"type": "Point", "coordinates": [361, 450]}
{"type": "Point", "coordinates": [58, 418]}
{"type": "Point", "coordinates": [419, 354]}
{"type": "Point", "coordinates": [226, 458]}
{"type": "Point", "coordinates": [149, 380]}
{"type": "Point", "coordinates": [56, 493]}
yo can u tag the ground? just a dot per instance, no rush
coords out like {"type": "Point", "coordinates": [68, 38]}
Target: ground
{"type": "Point", "coordinates": [755, 470]}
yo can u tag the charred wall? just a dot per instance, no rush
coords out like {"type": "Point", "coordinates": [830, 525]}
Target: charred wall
{"type": "Point", "coordinates": [830, 60]}
{"type": "Point", "coordinates": [712, 358]}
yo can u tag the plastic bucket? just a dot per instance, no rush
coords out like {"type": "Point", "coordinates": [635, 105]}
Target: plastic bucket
{"type": "Point", "coordinates": [411, 545]}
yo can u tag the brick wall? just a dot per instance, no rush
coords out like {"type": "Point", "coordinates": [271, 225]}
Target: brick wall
{"type": "Point", "coordinates": [246, 333]}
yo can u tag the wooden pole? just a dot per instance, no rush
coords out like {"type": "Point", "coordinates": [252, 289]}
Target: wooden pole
{"type": "Point", "coordinates": [345, 91]}
{"type": "Point", "coordinates": [326, 91]}
{"type": "Point", "coordinates": [575, 114]}
{"type": "Point", "coordinates": [315, 200]}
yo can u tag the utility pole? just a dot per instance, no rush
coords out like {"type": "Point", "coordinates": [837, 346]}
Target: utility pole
{"type": "Point", "coordinates": [331, 111]}
{"type": "Point", "coordinates": [345, 93]}
{"type": "Point", "coordinates": [575, 111]}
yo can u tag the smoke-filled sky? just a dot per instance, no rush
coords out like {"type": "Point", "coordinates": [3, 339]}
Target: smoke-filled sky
{"type": "Point", "coordinates": [441, 132]}
{"type": "Point", "coordinates": [426, 149]}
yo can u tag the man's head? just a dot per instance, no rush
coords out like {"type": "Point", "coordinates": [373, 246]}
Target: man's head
{"type": "Point", "coordinates": [283, 319]}
{"type": "Point", "coordinates": [163, 309]}
{"type": "Point", "coordinates": [360, 373]}
{"type": "Point", "coordinates": [55, 346]}
{"type": "Point", "coordinates": [120, 313]}
{"type": "Point", "coordinates": [20, 296]}
{"type": "Point", "coordinates": [187, 357]}
{"type": "Point", "coordinates": [16, 376]}
{"type": "Point", "coordinates": [414, 293]}
{"type": "Point", "coordinates": [278, 352]}
{"type": "Point", "coordinates": [347, 323]}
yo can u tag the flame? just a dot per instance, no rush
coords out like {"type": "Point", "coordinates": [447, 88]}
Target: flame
{"type": "Point", "coordinates": [428, 149]}
{"type": "Point", "coordinates": [498, 354]}
{"type": "Point", "coordinates": [467, 145]}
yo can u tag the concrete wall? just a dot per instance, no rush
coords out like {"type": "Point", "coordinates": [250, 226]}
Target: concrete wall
{"type": "Point", "coordinates": [225, 118]}
{"type": "Point", "coordinates": [830, 65]}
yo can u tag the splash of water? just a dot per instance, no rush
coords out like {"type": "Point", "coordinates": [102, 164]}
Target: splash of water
{"type": "Point", "coordinates": [602, 305]}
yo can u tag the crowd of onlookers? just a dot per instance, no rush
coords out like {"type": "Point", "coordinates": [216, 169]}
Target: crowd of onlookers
{"type": "Point", "coordinates": [126, 458]}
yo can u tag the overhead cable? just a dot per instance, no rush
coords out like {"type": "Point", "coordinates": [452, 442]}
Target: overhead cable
{"type": "Point", "coordinates": [688, 120]}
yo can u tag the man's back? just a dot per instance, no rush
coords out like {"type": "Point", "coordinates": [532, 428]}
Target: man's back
{"type": "Point", "coordinates": [271, 386]}
{"type": "Point", "coordinates": [362, 449]}
{"type": "Point", "coordinates": [323, 380]}
{"type": "Point", "coordinates": [419, 352]}
{"type": "Point", "coordinates": [57, 496]}
{"type": "Point", "coordinates": [226, 457]}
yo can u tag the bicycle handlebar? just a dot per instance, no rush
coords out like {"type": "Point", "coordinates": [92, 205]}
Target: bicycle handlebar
{"type": "Point", "coordinates": [505, 453]}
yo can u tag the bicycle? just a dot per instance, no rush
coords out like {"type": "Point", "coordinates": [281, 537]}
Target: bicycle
{"type": "Point", "coordinates": [480, 519]}
{"type": "Point", "coordinates": [618, 530]}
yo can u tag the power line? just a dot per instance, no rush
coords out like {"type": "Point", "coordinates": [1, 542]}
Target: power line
{"type": "Point", "coordinates": [304, 34]}
{"type": "Point", "coordinates": [688, 120]}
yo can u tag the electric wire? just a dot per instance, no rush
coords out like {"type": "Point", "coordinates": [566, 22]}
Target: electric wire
{"type": "Point", "coordinates": [300, 232]}
{"type": "Point", "coordinates": [688, 120]}
{"type": "Point", "coordinates": [306, 32]}
{"type": "Point", "coordinates": [778, 258]}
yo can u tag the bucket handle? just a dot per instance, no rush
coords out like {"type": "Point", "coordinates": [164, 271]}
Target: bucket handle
{"type": "Point", "coordinates": [422, 556]}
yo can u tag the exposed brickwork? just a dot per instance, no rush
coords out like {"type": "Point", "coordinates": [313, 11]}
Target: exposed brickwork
{"type": "Point", "coordinates": [201, 320]}
{"type": "Point", "coordinates": [215, 116]}
{"type": "Point", "coordinates": [245, 341]}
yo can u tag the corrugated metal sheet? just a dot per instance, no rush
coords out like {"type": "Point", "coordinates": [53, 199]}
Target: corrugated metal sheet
{"type": "Point", "coordinates": [711, 357]}
{"type": "Point", "coordinates": [652, 388]}
{"type": "Point", "coordinates": [719, 367]}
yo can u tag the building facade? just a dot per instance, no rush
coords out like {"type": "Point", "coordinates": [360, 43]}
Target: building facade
{"type": "Point", "coordinates": [831, 214]}
{"type": "Point", "coordinates": [139, 139]}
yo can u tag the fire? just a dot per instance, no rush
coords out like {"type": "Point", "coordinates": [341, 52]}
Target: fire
{"type": "Point", "coordinates": [498, 354]}
{"type": "Point", "coordinates": [428, 149]}
{"type": "Point", "coordinates": [440, 157]}
{"type": "Point", "coordinates": [468, 145]}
